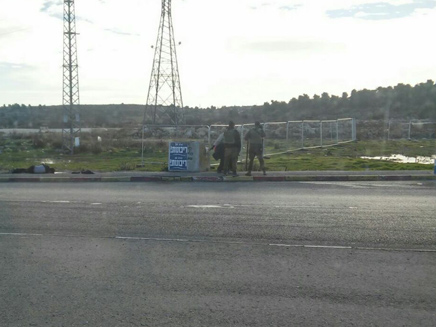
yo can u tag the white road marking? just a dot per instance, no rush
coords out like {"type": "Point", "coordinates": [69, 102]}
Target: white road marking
{"type": "Point", "coordinates": [95, 204]}
{"type": "Point", "coordinates": [298, 207]}
{"type": "Point", "coordinates": [209, 206]}
{"type": "Point", "coordinates": [328, 247]}
{"type": "Point", "coordinates": [230, 206]}
{"type": "Point", "coordinates": [20, 234]}
{"type": "Point", "coordinates": [307, 246]}
{"type": "Point", "coordinates": [150, 239]}
{"type": "Point", "coordinates": [55, 201]}
{"type": "Point", "coordinates": [311, 246]}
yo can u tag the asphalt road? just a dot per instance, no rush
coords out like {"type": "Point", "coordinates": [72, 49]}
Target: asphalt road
{"type": "Point", "coordinates": [218, 254]}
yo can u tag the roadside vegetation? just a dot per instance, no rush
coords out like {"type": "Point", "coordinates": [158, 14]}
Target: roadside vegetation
{"type": "Point", "coordinates": [119, 151]}
{"type": "Point", "coordinates": [348, 156]}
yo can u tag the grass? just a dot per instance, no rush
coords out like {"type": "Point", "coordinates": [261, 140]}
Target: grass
{"type": "Point", "coordinates": [118, 155]}
{"type": "Point", "coordinates": [122, 160]}
{"type": "Point", "coordinates": [348, 156]}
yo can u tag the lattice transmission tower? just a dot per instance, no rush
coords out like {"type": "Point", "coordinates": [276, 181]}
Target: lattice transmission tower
{"type": "Point", "coordinates": [70, 99]}
{"type": "Point", "coordinates": [164, 99]}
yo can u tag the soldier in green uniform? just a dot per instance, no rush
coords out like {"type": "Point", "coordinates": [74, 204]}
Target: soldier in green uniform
{"type": "Point", "coordinates": [232, 147]}
{"type": "Point", "coordinates": [255, 137]}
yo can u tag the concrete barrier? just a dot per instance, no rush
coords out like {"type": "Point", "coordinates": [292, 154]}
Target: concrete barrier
{"type": "Point", "coordinates": [146, 179]}
{"type": "Point", "coordinates": [269, 178]}
{"type": "Point", "coordinates": [171, 179]}
{"type": "Point", "coordinates": [218, 178]}
{"type": "Point", "coordinates": [238, 179]}
{"type": "Point", "coordinates": [115, 179]}
{"type": "Point", "coordinates": [207, 179]}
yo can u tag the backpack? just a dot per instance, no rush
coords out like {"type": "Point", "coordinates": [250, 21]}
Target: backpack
{"type": "Point", "coordinates": [229, 136]}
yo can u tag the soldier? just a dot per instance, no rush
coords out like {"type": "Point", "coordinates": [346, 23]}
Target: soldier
{"type": "Point", "coordinates": [254, 138]}
{"type": "Point", "coordinates": [232, 147]}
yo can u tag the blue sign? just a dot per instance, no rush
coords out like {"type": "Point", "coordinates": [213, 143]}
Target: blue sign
{"type": "Point", "coordinates": [178, 156]}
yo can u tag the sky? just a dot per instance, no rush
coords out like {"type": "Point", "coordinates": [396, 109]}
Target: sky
{"type": "Point", "coordinates": [232, 52]}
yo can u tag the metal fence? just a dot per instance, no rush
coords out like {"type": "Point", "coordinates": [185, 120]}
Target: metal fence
{"type": "Point", "coordinates": [414, 129]}
{"type": "Point", "coordinates": [281, 137]}
{"type": "Point", "coordinates": [396, 129]}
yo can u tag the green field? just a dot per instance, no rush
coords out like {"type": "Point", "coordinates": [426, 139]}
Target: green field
{"type": "Point", "coordinates": [348, 156]}
{"type": "Point", "coordinates": [118, 155]}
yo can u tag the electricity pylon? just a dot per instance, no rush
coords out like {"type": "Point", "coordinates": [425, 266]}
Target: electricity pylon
{"type": "Point", "coordinates": [164, 99]}
{"type": "Point", "coordinates": [70, 97]}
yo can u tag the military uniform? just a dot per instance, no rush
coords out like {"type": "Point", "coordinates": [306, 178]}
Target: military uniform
{"type": "Point", "coordinates": [254, 137]}
{"type": "Point", "coordinates": [232, 147]}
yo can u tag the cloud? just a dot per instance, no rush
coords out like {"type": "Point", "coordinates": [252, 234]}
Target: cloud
{"type": "Point", "coordinates": [4, 32]}
{"type": "Point", "coordinates": [15, 75]}
{"type": "Point", "coordinates": [290, 46]}
{"type": "Point", "coordinates": [7, 67]}
{"type": "Point", "coordinates": [290, 8]}
{"type": "Point", "coordinates": [53, 9]}
{"type": "Point", "coordinates": [382, 10]}
{"type": "Point", "coordinates": [46, 6]}
{"type": "Point", "coordinates": [117, 31]}
{"type": "Point", "coordinates": [280, 5]}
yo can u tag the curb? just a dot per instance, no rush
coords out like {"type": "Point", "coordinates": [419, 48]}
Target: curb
{"type": "Point", "coordinates": [145, 179]}
{"type": "Point", "coordinates": [170, 179]}
{"type": "Point", "coordinates": [207, 179]}
{"type": "Point", "coordinates": [238, 179]}
{"type": "Point", "coordinates": [269, 178]}
{"type": "Point", "coordinates": [115, 179]}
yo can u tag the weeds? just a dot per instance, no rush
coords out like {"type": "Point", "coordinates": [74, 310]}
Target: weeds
{"type": "Point", "coordinates": [118, 151]}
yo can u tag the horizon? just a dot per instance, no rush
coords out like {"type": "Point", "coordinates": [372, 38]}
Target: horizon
{"type": "Point", "coordinates": [311, 97]}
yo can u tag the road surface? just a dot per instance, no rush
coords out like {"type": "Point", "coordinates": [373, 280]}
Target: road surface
{"type": "Point", "coordinates": [218, 254]}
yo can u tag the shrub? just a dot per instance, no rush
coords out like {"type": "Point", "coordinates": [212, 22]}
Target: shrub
{"type": "Point", "coordinates": [38, 141]}
{"type": "Point", "coordinates": [56, 142]}
{"type": "Point", "coordinates": [16, 136]}
{"type": "Point", "coordinates": [127, 166]}
{"type": "Point", "coordinates": [96, 148]}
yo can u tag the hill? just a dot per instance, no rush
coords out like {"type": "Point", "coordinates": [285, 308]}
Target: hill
{"type": "Point", "coordinates": [402, 101]}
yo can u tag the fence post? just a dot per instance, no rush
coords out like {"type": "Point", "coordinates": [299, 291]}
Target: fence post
{"type": "Point", "coordinates": [320, 131]}
{"type": "Point", "coordinates": [302, 134]}
{"type": "Point", "coordinates": [242, 141]}
{"type": "Point", "coordinates": [354, 130]}
{"type": "Point", "coordinates": [410, 129]}
{"type": "Point", "coordinates": [263, 143]}
{"type": "Point", "coordinates": [389, 130]}
{"type": "Point", "coordinates": [208, 136]}
{"type": "Point", "coordinates": [337, 131]}
{"type": "Point", "coordinates": [287, 135]}
{"type": "Point", "coordinates": [142, 145]}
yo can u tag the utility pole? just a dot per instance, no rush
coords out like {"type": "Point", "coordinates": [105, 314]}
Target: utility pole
{"type": "Point", "coordinates": [164, 99]}
{"type": "Point", "coordinates": [70, 98]}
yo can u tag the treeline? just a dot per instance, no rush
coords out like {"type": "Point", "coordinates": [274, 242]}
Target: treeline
{"type": "Point", "coordinates": [400, 102]}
